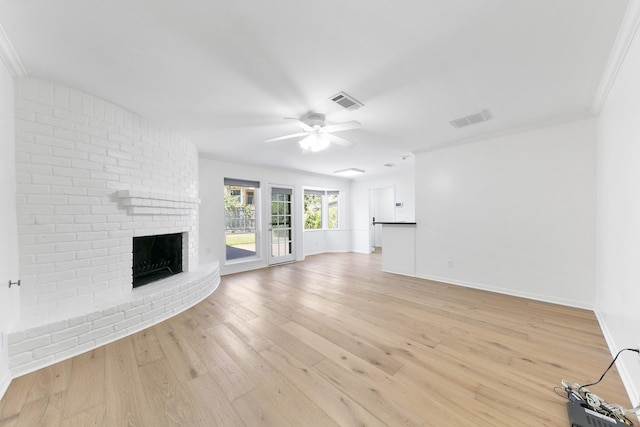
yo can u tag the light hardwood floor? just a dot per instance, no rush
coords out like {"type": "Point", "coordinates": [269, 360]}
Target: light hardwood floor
{"type": "Point", "coordinates": [325, 342]}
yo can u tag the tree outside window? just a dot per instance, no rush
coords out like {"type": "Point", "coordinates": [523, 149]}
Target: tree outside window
{"type": "Point", "coordinates": [320, 209]}
{"type": "Point", "coordinates": [332, 209]}
{"type": "Point", "coordinates": [312, 210]}
{"type": "Point", "coordinates": [240, 218]}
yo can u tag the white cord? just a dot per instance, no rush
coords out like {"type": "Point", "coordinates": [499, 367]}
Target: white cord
{"type": "Point", "coordinates": [633, 410]}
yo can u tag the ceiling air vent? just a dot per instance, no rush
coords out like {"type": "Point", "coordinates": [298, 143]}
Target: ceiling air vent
{"type": "Point", "coordinates": [472, 119]}
{"type": "Point", "coordinates": [346, 101]}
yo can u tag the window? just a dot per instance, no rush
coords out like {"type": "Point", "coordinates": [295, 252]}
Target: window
{"type": "Point", "coordinates": [240, 218]}
{"type": "Point", "coordinates": [313, 209]}
{"type": "Point", "coordinates": [332, 209]}
{"type": "Point", "coordinates": [320, 209]}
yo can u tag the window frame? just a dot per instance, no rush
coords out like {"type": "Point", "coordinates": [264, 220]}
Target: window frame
{"type": "Point", "coordinates": [337, 209]}
{"type": "Point", "coordinates": [316, 193]}
{"type": "Point", "coordinates": [324, 208]}
{"type": "Point", "coordinates": [242, 185]}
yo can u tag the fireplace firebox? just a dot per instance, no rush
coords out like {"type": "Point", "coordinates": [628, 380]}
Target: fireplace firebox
{"type": "Point", "coordinates": [156, 257]}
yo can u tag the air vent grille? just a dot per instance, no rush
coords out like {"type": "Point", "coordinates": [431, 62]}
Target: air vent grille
{"type": "Point", "coordinates": [472, 119]}
{"type": "Point", "coordinates": [346, 101]}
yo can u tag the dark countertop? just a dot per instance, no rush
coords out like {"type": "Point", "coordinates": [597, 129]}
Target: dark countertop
{"type": "Point", "coordinates": [394, 223]}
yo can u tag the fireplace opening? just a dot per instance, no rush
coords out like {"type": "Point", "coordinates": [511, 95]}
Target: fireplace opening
{"type": "Point", "coordinates": [156, 257]}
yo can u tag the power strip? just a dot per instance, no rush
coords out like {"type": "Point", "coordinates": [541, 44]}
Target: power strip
{"type": "Point", "coordinates": [587, 409]}
{"type": "Point", "coordinates": [580, 416]}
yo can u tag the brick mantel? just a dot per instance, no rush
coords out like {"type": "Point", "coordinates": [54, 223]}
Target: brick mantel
{"type": "Point", "coordinates": [147, 202]}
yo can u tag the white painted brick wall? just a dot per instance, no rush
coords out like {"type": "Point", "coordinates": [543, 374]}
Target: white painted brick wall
{"type": "Point", "coordinates": [74, 153]}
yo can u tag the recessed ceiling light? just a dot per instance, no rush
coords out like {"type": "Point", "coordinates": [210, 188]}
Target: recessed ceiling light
{"type": "Point", "coordinates": [349, 172]}
{"type": "Point", "coordinates": [389, 165]}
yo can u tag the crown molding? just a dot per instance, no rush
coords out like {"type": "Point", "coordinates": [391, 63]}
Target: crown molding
{"type": "Point", "coordinates": [9, 56]}
{"type": "Point", "coordinates": [626, 34]}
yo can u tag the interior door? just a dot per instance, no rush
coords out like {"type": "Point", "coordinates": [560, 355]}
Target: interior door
{"type": "Point", "coordinates": [281, 226]}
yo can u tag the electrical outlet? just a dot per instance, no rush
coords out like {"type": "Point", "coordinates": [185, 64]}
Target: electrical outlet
{"type": "Point", "coordinates": [450, 264]}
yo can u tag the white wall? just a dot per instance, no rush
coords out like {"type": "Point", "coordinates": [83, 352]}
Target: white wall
{"type": "Point", "coordinates": [403, 184]}
{"type": "Point", "coordinates": [212, 240]}
{"type": "Point", "coordinates": [512, 214]}
{"type": "Point", "coordinates": [323, 241]}
{"type": "Point", "coordinates": [618, 212]}
{"type": "Point", "coordinates": [9, 298]}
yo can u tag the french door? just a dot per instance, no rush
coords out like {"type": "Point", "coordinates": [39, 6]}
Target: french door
{"type": "Point", "coordinates": [281, 246]}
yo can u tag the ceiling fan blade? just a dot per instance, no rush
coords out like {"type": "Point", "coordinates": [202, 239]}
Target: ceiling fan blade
{"type": "Point", "coordinates": [341, 126]}
{"type": "Point", "coordinates": [340, 141]}
{"type": "Point", "coordinates": [282, 138]}
{"type": "Point", "coordinates": [302, 124]}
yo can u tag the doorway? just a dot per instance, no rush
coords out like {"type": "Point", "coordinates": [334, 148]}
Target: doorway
{"type": "Point", "coordinates": [381, 209]}
{"type": "Point", "coordinates": [281, 247]}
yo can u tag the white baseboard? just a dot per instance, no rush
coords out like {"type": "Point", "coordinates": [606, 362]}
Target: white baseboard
{"type": "Point", "coordinates": [335, 251]}
{"type": "Point", "coordinates": [4, 383]}
{"type": "Point", "coordinates": [627, 380]}
{"type": "Point", "coordinates": [621, 365]}
{"type": "Point", "coordinates": [507, 291]}
{"type": "Point", "coordinates": [242, 266]}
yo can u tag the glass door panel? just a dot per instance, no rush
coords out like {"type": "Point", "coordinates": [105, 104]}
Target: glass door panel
{"type": "Point", "coordinates": [281, 225]}
{"type": "Point", "coordinates": [240, 219]}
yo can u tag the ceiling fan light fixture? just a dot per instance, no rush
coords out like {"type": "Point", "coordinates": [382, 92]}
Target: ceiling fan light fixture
{"type": "Point", "coordinates": [317, 135]}
{"type": "Point", "coordinates": [349, 172]}
{"type": "Point", "coordinates": [314, 143]}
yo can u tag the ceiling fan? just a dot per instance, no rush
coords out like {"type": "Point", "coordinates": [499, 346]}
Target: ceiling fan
{"type": "Point", "coordinates": [317, 135]}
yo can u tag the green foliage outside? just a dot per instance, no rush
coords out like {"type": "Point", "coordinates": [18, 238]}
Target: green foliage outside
{"type": "Point", "coordinates": [333, 211]}
{"type": "Point", "coordinates": [312, 211]}
{"type": "Point", "coordinates": [333, 216]}
{"type": "Point", "coordinates": [233, 204]}
{"type": "Point", "coordinates": [240, 239]}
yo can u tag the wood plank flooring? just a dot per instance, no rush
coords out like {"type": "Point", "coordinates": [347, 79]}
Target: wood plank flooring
{"type": "Point", "coordinates": [331, 341]}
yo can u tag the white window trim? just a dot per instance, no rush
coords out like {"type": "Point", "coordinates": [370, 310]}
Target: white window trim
{"type": "Point", "coordinates": [325, 207]}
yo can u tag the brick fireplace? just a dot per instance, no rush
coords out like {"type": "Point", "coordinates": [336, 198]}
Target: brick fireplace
{"type": "Point", "coordinates": [91, 176]}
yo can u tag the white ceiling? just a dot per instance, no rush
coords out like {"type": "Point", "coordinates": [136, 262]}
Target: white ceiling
{"type": "Point", "coordinates": [225, 72]}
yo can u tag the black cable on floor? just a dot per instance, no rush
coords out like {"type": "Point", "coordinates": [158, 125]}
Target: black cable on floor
{"type": "Point", "coordinates": [610, 365]}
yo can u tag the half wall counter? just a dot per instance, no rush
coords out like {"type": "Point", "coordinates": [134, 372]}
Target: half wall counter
{"type": "Point", "coordinates": [399, 247]}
